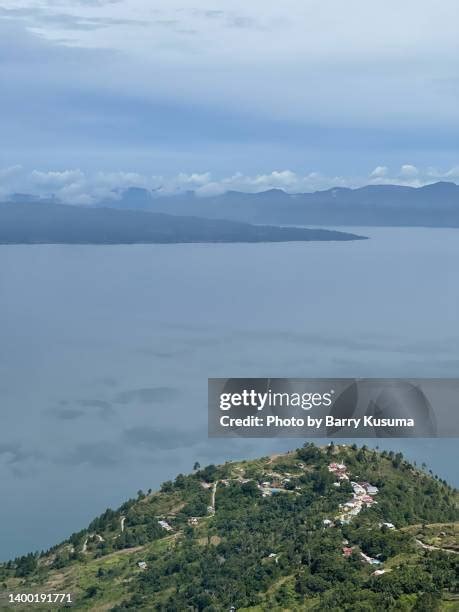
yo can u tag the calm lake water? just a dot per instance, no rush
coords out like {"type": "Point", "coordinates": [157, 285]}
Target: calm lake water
{"type": "Point", "coordinates": [105, 354]}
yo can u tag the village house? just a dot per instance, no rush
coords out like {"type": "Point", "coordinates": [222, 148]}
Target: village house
{"type": "Point", "coordinates": [358, 489]}
{"type": "Point", "coordinates": [388, 525]}
{"type": "Point", "coordinates": [193, 521]}
{"type": "Point", "coordinates": [142, 565]}
{"type": "Point", "coordinates": [165, 525]}
{"type": "Point", "coordinates": [368, 500]}
{"type": "Point", "coordinates": [370, 560]}
{"type": "Point", "coordinates": [337, 468]}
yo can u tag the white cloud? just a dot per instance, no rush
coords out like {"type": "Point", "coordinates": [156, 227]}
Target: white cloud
{"type": "Point", "coordinates": [379, 172]}
{"type": "Point", "coordinates": [408, 171]}
{"type": "Point", "coordinates": [305, 61]}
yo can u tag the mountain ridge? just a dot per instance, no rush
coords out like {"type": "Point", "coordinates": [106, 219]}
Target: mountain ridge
{"type": "Point", "coordinates": [338, 528]}
{"type": "Point", "coordinates": [431, 205]}
{"type": "Point", "coordinates": [50, 223]}
{"type": "Point", "coordinates": [434, 205]}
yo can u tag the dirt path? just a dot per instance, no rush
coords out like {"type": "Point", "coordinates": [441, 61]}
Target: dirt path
{"type": "Point", "coordinates": [212, 496]}
{"type": "Point", "coordinates": [429, 547]}
{"type": "Point", "coordinates": [122, 521]}
{"type": "Point", "coordinates": [274, 457]}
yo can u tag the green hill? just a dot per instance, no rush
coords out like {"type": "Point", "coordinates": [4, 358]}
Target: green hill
{"type": "Point", "coordinates": [335, 528]}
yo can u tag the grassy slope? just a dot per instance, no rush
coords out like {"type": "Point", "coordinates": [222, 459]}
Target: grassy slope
{"type": "Point", "coordinates": [102, 577]}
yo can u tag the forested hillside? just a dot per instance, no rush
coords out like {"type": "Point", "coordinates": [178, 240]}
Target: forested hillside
{"type": "Point", "coordinates": [335, 528]}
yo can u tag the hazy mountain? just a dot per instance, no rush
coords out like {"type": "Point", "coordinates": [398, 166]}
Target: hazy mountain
{"type": "Point", "coordinates": [37, 222]}
{"type": "Point", "coordinates": [435, 205]}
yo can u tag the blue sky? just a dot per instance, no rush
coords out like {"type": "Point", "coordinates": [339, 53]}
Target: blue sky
{"type": "Point", "coordinates": [188, 94]}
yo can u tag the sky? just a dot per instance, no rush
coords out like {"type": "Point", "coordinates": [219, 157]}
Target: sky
{"type": "Point", "coordinates": [185, 94]}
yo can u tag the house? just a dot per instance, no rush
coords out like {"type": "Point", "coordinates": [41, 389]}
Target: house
{"type": "Point", "coordinates": [347, 551]}
{"type": "Point", "coordinates": [370, 560]}
{"type": "Point", "coordinates": [192, 521]}
{"type": "Point", "coordinates": [327, 522]}
{"type": "Point", "coordinates": [352, 504]}
{"type": "Point", "coordinates": [165, 525]}
{"type": "Point", "coordinates": [378, 572]}
{"type": "Point", "coordinates": [388, 525]}
{"type": "Point", "coordinates": [337, 468]}
{"type": "Point", "coordinates": [357, 488]}
{"type": "Point", "coordinates": [372, 490]}
{"type": "Point", "coordinates": [368, 500]}
{"type": "Point", "coordinates": [142, 565]}
{"type": "Point", "coordinates": [336, 484]}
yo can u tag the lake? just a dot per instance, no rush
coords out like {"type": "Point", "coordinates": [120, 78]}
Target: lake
{"type": "Point", "coordinates": [105, 353]}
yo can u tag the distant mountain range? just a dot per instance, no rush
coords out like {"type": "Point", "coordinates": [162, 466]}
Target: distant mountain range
{"type": "Point", "coordinates": [138, 215]}
{"type": "Point", "coordinates": [31, 222]}
{"type": "Point", "coordinates": [435, 205]}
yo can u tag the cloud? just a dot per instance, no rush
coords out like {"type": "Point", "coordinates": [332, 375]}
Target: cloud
{"type": "Point", "coordinates": [41, 17]}
{"type": "Point", "coordinates": [379, 172]}
{"type": "Point", "coordinates": [118, 85]}
{"type": "Point", "coordinates": [409, 171]}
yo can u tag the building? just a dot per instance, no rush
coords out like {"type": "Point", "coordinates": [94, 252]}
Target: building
{"type": "Point", "coordinates": [388, 525]}
{"type": "Point", "coordinates": [370, 560]}
{"type": "Point", "coordinates": [358, 488]}
{"type": "Point", "coordinates": [165, 525]}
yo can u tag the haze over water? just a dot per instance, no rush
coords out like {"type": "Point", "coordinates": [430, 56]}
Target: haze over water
{"type": "Point", "coordinates": [105, 353]}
